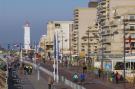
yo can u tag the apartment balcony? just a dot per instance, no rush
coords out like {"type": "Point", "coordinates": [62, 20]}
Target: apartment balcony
{"type": "Point", "coordinates": [106, 41]}
{"type": "Point", "coordinates": [74, 40]}
{"type": "Point", "coordinates": [102, 10]}
{"type": "Point", "coordinates": [130, 30]}
{"type": "Point", "coordinates": [113, 25]}
{"type": "Point", "coordinates": [75, 36]}
{"type": "Point", "coordinates": [75, 19]}
{"type": "Point", "coordinates": [128, 40]}
{"type": "Point", "coordinates": [101, 20]}
{"type": "Point", "coordinates": [129, 20]}
{"type": "Point", "coordinates": [103, 2]}
{"type": "Point", "coordinates": [75, 31]}
{"type": "Point", "coordinates": [76, 12]}
{"type": "Point", "coordinates": [106, 33]}
{"type": "Point", "coordinates": [102, 16]}
{"type": "Point", "coordinates": [107, 51]}
{"type": "Point", "coordinates": [116, 17]}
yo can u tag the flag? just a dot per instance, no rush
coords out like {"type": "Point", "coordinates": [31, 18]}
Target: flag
{"type": "Point", "coordinates": [56, 46]}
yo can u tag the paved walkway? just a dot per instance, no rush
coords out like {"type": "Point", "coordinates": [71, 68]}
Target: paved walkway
{"type": "Point", "coordinates": [42, 83]}
{"type": "Point", "coordinates": [91, 81]}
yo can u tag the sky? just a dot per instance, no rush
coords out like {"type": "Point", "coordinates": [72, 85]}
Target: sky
{"type": "Point", "coordinates": [14, 14]}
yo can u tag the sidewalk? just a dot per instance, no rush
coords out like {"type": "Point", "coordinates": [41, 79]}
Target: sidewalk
{"type": "Point", "coordinates": [42, 83]}
{"type": "Point", "coordinates": [91, 80]}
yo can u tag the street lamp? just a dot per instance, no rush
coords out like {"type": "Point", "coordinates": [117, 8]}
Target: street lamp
{"type": "Point", "coordinates": [61, 32]}
{"type": "Point", "coordinates": [124, 53]}
{"type": "Point", "coordinates": [88, 33]}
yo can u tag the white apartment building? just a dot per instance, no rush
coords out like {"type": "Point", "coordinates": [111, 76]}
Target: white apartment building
{"type": "Point", "coordinates": [64, 29]}
{"type": "Point", "coordinates": [83, 19]}
{"type": "Point", "coordinates": [111, 18]}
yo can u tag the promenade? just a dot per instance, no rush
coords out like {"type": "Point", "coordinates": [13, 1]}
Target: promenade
{"type": "Point", "coordinates": [91, 82]}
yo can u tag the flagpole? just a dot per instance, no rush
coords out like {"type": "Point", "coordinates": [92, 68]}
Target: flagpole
{"type": "Point", "coordinates": [54, 48]}
{"type": "Point", "coordinates": [57, 57]}
{"type": "Point", "coordinates": [54, 69]}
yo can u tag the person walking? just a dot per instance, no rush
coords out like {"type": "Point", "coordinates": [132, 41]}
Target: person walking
{"type": "Point", "coordinates": [84, 68]}
{"type": "Point", "coordinates": [99, 72]}
{"type": "Point", "coordinates": [50, 82]}
{"type": "Point", "coordinates": [117, 77]}
{"type": "Point", "coordinates": [112, 77]}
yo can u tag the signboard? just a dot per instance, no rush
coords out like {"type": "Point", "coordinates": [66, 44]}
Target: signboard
{"type": "Point", "coordinates": [108, 66]}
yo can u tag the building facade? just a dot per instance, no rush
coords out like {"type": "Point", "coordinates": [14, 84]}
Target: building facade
{"type": "Point", "coordinates": [83, 19]}
{"type": "Point", "coordinates": [63, 29]}
{"type": "Point", "coordinates": [115, 20]}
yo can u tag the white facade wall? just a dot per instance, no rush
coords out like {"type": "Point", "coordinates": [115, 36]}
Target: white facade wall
{"type": "Point", "coordinates": [63, 30]}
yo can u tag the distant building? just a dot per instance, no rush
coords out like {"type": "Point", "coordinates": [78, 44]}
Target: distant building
{"type": "Point", "coordinates": [63, 28]}
{"type": "Point", "coordinates": [42, 41]}
{"type": "Point", "coordinates": [83, 18]}
{"type": "Point", "coordinates": [26, 36]}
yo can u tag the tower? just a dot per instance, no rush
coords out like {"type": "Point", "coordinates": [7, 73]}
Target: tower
{"type": "Point", "coordinates": [26, 36]}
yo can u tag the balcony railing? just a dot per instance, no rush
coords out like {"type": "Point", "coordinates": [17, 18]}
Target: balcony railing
{"type": "Point", "coordinates": [129, 20]}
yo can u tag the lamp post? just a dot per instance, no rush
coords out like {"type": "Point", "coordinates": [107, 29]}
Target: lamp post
{"type": "Point", "coordinates": [124, 53]}
{"type": "Point", "coordinates": [88, 33]}
{"type": "Point", "coordinates": [61, 32]}
{"type": "Point", "coordinates": [44, 50]}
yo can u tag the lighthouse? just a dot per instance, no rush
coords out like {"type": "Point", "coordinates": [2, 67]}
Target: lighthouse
{"type": "Point", "coordinates": [26, 36]}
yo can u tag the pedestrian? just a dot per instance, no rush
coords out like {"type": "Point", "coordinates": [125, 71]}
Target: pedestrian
{"type": "Point", "coordinates": [84, 68]}
{"type": "Point", "coordinates": [75, 77]}
{"type": "Point", "coordinates": [99, 72]}
{"type": "Point", "coordinates": [82, 77]}
{"type": "Point", "coordinates": [50, 82]}
{"type": "Point", "coordinates": [112, 77]}
{"type": "Point", "coordinates": [117, 77]}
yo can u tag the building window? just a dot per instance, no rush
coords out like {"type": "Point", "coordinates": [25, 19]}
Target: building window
{"type": "Point", "coordinates": [82, 46]}
{"type": "Point", "coordinates": [82, 49]}
{"type": "Point", "coordinates": [132, 35]}
{"type": "Point", "coordinates": [132, 17]}
{"type": "Point", "coordinates": [132, 27]}
{"type": "Point", "coordinates": [57, 25]}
